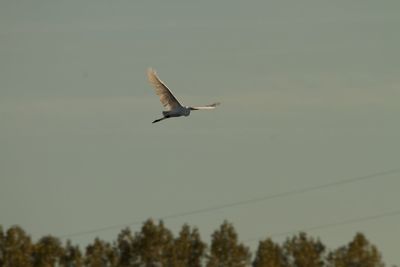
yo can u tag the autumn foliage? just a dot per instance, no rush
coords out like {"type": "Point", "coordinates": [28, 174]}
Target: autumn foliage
{"type": "Point", "coordinates": [155, 245]}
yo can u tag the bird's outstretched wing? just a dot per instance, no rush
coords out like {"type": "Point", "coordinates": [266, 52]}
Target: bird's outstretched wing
{"type": "Point", "coordinates": [166, 97]}
{"type": "Point", "coordinates": [211, 106]}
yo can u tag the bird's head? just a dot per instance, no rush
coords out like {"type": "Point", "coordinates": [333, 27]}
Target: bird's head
{"type": "Point", "coordinates": [187, 111]}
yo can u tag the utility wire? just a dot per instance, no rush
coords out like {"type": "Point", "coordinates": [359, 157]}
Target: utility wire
{"type": "Point", "coordinates": [243, 202]}
{"type": "Point", "coordinates": [330, 225]}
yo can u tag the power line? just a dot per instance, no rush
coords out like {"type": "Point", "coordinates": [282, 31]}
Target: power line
{"type": "Point", "coordinates": [330, 225]}
{"type": "Point", "coordinates": [243, 202]}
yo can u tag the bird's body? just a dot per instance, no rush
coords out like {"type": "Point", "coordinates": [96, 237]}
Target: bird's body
{"type": "Point", "coordinates": [172, 105]}
{"type": "Point", "coordinates": [177, 112]}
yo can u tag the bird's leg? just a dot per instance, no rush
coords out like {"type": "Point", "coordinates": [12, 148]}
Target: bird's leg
{"type": "Point", "coordinates": [163, 118]}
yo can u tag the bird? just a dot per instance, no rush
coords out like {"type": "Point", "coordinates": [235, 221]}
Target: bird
{"type": "Point", "coordinates": [168, 100]}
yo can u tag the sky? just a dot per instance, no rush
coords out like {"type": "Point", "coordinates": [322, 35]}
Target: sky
{"type": "Point", "coordinates": [310, 94]}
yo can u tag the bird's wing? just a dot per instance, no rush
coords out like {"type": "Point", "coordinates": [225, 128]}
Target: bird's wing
{"type": "Point", "coordinates": [211, 106]}
{"type": "Point", "coordinates": [166, 97]}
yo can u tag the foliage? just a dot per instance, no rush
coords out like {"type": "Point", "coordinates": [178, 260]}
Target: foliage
{"type": "Point", "coordinates": [358, 253]}
{"type": "Point", "coordinates": [152, 245]}
{"type": "Point", "coordinates": [225, 249]}
{"type": "Point", "coordinates": [302, 251]}
{"type": "Point", "coordinates": [17, 248]}
{"type": "Point", "coordinates": [100, 254]}
{"type": "Point", "coordinates": [155, 245]}
{"type": "Point", "coordinates": [189, 250]}
{"type": "Point", "coordinates": [46, 252]}
{"type": "Point", "coordinates": [269, 254]}
{"type": "Point", "coordinates": [71, 257]}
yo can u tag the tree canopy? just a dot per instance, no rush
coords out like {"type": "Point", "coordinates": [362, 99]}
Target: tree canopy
{"type": "Point", "coordinates": [155, 245]}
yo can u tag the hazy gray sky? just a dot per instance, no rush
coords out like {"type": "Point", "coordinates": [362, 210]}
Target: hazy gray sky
{"type": "Point", "coordinates": [310, 95]}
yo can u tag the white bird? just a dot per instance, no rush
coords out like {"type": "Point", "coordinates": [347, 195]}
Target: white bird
{"type": "Point", "coordinates": [173, 107]}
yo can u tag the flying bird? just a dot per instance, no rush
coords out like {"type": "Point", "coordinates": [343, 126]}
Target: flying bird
{"type": "Point", "coordinates": [168, 100]}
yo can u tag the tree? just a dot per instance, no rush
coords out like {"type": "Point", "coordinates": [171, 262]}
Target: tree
{"type": "Point", "coordinates": [302, 251]}
{"type": "Point", "coordinates": [225, 249]}
{"type": "Point", "coordinates": [2, 246]}
{"type": "Point", "coordinates": [100, 254]}
{"type": "Point", "coordinates": [358, 253]}
{"type": "Point", "coordinates": [153, 245]}
{"type": "Point", "coordinates": [46, 252]}
{"type": "Point", "coordinates": [72, 256]}
{"type": "Point", "coordinates": [269, 254]}
{"type": "Point", "coordinates": [188, 248]}
{"type": "Point", "coordinates": [125, 246]}
{"type": "Point", "coordinates": [17, 248]}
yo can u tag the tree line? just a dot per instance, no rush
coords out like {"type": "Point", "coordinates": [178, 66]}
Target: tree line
{"type": "Point", "coordinates": [155, 245]}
